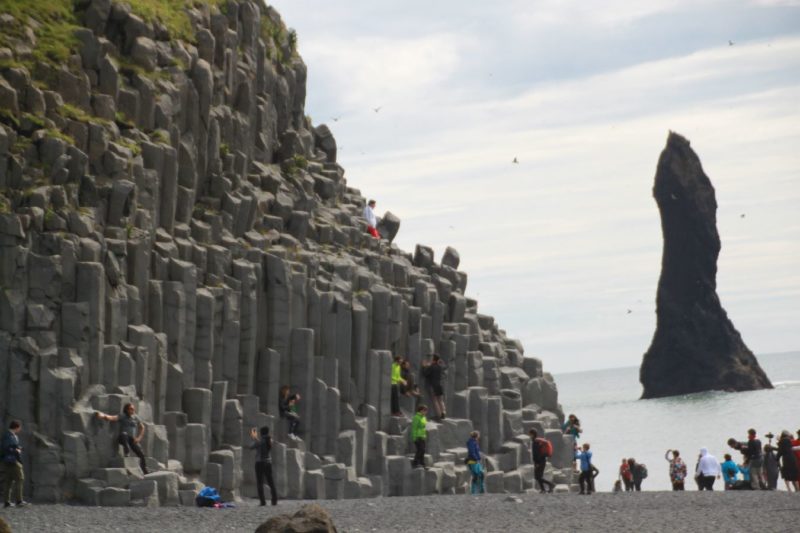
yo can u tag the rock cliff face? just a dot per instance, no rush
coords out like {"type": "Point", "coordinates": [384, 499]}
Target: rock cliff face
{"type": "Point", "coordinates": [175, 232]}
{"type": "Point", "coordinates": [695, 347]}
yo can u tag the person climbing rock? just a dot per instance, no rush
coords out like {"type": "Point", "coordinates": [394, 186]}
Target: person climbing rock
{"type": "Point", "coordinates": [433, 371]}
{"type": "Point", "coordinates": [397, 382]}
{"type": "Point", "coordinates": [131, 432]}
{"type": "Point", "coordinates": [419, 435]}
{"type": "Point", "coordinates": [287, 407]}
{"type": "Point", "coordinates": [541, 449]}
{"type": "Point", "coordinates": [264, 464]}
{"type": "Point", "coordinates": [372, 220]}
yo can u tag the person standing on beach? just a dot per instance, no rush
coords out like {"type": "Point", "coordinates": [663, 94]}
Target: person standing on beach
{"type": "Point", "coordinates": [752, 453]}
{"type": "Point", "coordinates": [372, 220]}
{"type": "Point", "coordinates": [541, 449]}
{"type": "Point", "coordinates": [434, 371]}
{"type": "Point", "coordinates": [11, 465]}
{"type": "Point", "coordinates": [584, 455]}
{"type": "Point", "coordinates": [419, 434]}
{"type": "Point", "coordinates": [708, 470]}
{"type": "Point", "coordinates": [474, 463]}
{"type": "Point", "coordinates": [771, 469]}
{"type": "Point", "coordinates": [625, 475]}
{"type": "Point", "coordinates": [730, 471]}
{"type": "Point", "coordinates": [264, 464]}
{"type": "Point", "coordinates": [131, 432]}
{"type": "Point", "coordinates": [638, 473]}
{"type": "Point", "coordinates": [788, 462]}
{"type": "Point", "coordinates": [677, 469]}
{"type": "Point", "coordinates": [397, 382]}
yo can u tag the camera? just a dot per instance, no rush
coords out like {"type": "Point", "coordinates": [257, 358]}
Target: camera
{"type": "Point", "coordinates": [769, 436]}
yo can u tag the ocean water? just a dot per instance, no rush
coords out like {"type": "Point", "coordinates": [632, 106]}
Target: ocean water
{"type": "Point", "coordinates": [617, 424]}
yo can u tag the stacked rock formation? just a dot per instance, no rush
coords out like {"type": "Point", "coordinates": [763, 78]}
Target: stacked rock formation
{"type": "Point", "coordinates": [695, 347]}
{"type": "Point", "coordinates": [175, 232]}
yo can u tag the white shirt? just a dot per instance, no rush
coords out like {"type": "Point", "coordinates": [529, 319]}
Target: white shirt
{"type": "Point", "coordinates": [708, 466]}
{"type": "Point", "coordinates": [369, 214]}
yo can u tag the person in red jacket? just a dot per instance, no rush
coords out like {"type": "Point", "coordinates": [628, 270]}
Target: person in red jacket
{"type": "Point", "coordinates": [625, 475]}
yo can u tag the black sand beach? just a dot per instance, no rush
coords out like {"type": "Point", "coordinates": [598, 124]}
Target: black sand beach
{"type": "Point", "coordinates": [646, 511]}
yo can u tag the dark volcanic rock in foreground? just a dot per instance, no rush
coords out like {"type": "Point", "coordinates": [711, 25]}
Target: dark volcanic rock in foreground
{"type": "Point", "coordinates": [695, 347]}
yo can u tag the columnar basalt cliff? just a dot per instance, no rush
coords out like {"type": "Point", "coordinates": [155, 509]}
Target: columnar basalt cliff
{"type": "Point", "coordinates": [175, 232]}
{"type": "Point", "coordinates": [695, 347]}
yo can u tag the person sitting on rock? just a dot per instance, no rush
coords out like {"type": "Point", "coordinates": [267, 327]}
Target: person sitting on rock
{"type": "Point", "coordinates": [11, 465]}
{"type": "Point", "coordinates": [572, 426]}
{"type": "Point", "coordinates": [434, 371]}
{"type": "Point", "coordinates": [287, 405]}
{"type": "Point", "coordinates": [397, 382]}
{"type": "Point", "coordinates": [264, 464]}
{"type": "Point", "coordinates": [131, 432]}
{"type": "Point", "coordinates": [474, 463]}
{"type": "Point", "coordinates": [541, 449]}
{"type": "Point", "coordinates": [407, 373]}
{"type": "Point", "coordinates": [372, 220]}
{"type": "Point", "coordinates": [419, 434]}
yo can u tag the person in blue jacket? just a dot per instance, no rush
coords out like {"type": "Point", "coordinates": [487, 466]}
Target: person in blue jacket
{"type": "Point", "coordinates": [730, 472]}
{"type": "Point", "coordinates": [584, 455]}
{"type": "Point", "coordinates": [474, 463]}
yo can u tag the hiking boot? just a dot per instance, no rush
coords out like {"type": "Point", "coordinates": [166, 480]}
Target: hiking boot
{"type": "Point", "coordinates": [22, 503]}
{"type": "Point", "coordinates": [7, 505]}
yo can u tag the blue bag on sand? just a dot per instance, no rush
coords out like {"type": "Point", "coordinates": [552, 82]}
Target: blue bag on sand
{"type": "Point", "coordinates": [207, 497]}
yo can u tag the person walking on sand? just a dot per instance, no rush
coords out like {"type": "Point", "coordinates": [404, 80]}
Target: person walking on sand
{"type": "Point", "coordinates": [677, 469]}
{"type": "Point", "coordinates": [474, 463]}
{"type": "Point", "coordinates": [625, 475]}
{"type": "Point", "coordinates": [131, 432]}
{"type": "Point", "coordinates": [287, 407]}
{"type": "Point", "coordinates": [263, 445]}
{"type": "Point", "coordinates": [541, 449]}
{"type": "Point", "coordinates": [372, 220]}
{"type": "Point", "coordinates": [730, 472]}
{"type": "Point", "coordinates": [788, 462]}
{"type": "Point", "coordinates": [434, 372]}
{"type": "Point", "coordinates": [419, 434]}
{"type": "Point", "coordinates": [708, 470]}
{"type": "Point", "coordinates": [11, 465]}
{"type": "Point", "coordinates": [584, 455]}
{"type": "Point", "coordinates": [397, 382]}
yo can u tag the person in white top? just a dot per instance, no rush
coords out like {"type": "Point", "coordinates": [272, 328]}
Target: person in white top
{"type": "Point", "coordinates": [372, 220]}
{"type": "Point", "coordinates": [707, 471]}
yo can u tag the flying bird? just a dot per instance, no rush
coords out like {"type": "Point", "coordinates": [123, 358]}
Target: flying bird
{"type": "Point", "coordinates": [742, 215]}
{"type": "Point", "coordinates": [730, 43]}
{"type": "Point", "coordinates": [515, 161]}
{"type": "Point", "coordinates": [376, 109]}
{"type": "Point", "coordinates": [629, 311]}
{"type": "Point", "coordinates": [335, 119]}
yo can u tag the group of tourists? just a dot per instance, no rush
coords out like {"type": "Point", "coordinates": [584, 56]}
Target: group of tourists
{"type": "Point", "coordinates": [403, 383]}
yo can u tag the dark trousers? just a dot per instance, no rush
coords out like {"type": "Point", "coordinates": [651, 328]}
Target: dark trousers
{"type": "Point", "coordinates": [585, 480]}
{"type": "Point", "coordinates": [129, 444]}
{"type": "Point", "coordinates": [706, 482]}
{"type": "Point", "coordinates": [538, 475]}
{"type": "Point", "coordinates": [677, 485]}
{"type": "Point", "coordinates": [12, 479]}
{"type": "Point", "coordinates": [419, 456]}
{"type": "Point", "coordinates": [264, 475]}
{"type": "Point", "coordinates": [395, 399]}
{"type": "Point", "coordinates": [293, 420]}
{"type": "Point", "coordinates": [628, 484]}
{"type": "Point", "coordinates": [637, 485]}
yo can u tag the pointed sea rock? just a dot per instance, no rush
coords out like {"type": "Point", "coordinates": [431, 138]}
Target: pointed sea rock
{"type": "Point", "coordinates": [695, 347]}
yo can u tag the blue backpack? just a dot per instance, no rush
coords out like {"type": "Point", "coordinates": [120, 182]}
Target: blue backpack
{"type": "Point", "coordinates": [207, 497]}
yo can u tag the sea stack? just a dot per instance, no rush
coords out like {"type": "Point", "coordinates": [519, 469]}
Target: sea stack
{"type": "Point", "coordinates": [695, 347]}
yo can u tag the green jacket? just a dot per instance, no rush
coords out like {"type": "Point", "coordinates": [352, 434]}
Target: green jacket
{"type": "Point", "coordinates": [418, 430]}
{"type": "Point", "coordinates": [397, 376]}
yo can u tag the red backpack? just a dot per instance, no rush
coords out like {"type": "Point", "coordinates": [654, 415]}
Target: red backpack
{"type": "Point", "coordinates": [545, 447]}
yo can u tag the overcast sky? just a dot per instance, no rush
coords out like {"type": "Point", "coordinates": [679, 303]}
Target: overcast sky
{"type": "Point", "coordinates": [431, 101]}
